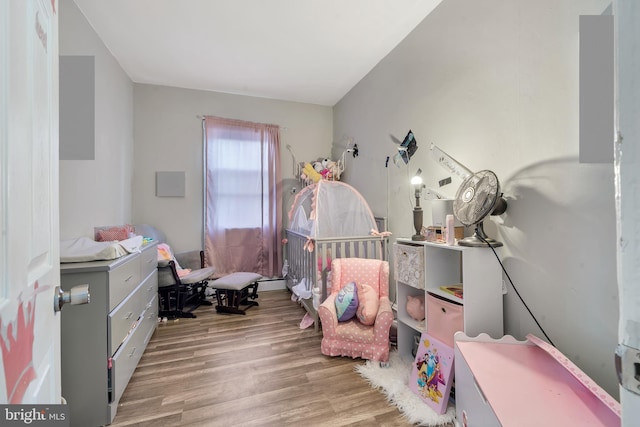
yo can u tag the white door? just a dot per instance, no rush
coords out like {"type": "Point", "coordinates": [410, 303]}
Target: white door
{"type": "Point", "coordinates": [29, 241]}
{"type": "Point", "coordinates": [627, 174]}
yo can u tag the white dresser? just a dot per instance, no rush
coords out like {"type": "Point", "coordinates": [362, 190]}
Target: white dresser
{"type": "Point", "coordinates": [103, 341]}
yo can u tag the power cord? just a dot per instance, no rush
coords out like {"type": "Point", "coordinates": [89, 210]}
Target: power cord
{"type": "Point", "coordinates": [516, 290]}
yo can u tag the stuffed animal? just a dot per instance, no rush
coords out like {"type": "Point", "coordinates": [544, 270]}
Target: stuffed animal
{"type": "Point", "coordinates": [415, 307]}
{"type": "Point", "coordinates": [320, 169]}
{"type": "Point", "coordinates": [328, 169]}
{"type": "Point", "coordinates": [311, 173]}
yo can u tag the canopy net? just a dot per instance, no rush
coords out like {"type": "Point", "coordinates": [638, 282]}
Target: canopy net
{"type": "Point", "coordinates": [331, 209]}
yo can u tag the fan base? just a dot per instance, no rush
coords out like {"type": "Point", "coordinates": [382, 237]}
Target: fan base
{"type": "Point", "coordinates": [475, 241]}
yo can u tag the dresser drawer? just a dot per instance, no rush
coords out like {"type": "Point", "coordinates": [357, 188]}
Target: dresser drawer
{"type": "Point", "coordinates": [409, 265]}
{"type": "Point", "coordinates": [123, 280]}
{"type": "Point", "coordinates": [126, 359]}
{"type": "Point", "coordinates": [150, 285]}
{"type": "Point", "coordinates": [149, 320]}
{"type": "Point", "coordinates": [148, 261]}
{"type": "Point", "coordinates": [126, 315]}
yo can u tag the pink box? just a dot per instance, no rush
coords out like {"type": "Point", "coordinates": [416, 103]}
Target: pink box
{"type": "Point", "coordinates": [444, 318]}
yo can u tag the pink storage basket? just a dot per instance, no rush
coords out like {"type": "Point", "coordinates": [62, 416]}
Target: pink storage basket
{"type": "Point", "coordinates": [444, 318]}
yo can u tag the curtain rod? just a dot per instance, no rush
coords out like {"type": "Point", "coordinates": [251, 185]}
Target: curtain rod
{"type": "Point", "coordinates": [201, 117]}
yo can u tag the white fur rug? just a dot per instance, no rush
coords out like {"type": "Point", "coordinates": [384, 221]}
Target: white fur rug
{"type": "Point", "coordinates": [394, 383]}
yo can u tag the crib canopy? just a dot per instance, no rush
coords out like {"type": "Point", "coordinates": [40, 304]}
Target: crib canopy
{"type": "Point", "coordinates": [331, 209]}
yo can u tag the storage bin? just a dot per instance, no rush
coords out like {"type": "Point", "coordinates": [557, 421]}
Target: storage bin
{"type": "Point", "coordinates": [409, 265]}
{"type": "Point", "coordinates": [444, 318]}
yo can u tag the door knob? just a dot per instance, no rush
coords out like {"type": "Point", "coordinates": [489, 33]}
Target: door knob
{"type": "Point", "coordinates": [76, 295]}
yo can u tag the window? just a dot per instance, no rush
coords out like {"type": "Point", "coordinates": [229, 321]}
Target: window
{"type": "Point", "coordinates": [237, 174]}
{"type": "Point", "coordinates": [243, 213]}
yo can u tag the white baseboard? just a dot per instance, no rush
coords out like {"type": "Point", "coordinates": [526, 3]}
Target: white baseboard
{"type": "Point", "coordinates": [272, 285]}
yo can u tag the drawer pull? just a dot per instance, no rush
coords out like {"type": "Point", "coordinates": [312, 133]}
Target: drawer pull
{"type": "Point", "coordinates": [128, 278]}
{"type": "Point", "coordinates": [149, 261]}
{"type": "Point", "coordinates": [133, 351]}
{"type": "Point", "coordinates": [128, 316]}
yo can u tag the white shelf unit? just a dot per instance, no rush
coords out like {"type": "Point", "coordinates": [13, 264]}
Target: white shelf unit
{"type": "Point", "coordinates": [421, 267]}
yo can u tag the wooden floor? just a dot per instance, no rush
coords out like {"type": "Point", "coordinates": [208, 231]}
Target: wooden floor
{"type": "Point", "coordinates": [255, 370]}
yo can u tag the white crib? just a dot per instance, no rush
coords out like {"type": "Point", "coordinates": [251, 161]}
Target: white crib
{"type": "Point", "coordinates": [310, 259]}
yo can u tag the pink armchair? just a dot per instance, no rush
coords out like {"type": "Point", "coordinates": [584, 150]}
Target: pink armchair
{"type": "Point", "coordinates": [352, 338]}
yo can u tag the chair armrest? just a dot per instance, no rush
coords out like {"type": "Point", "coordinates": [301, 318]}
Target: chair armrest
{"type": "Point", "coordinates": [328, 316]}
{"type": "Point", "coordinates": [167, 274]}
{"type": "Point", "coordinates": [190, 259]}
{"type": "Point", "coordinates": [384, 306]}
{"type": "Point", "coordinates": [384, 319]}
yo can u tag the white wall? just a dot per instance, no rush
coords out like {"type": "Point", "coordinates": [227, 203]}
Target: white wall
{"type": "Point", "coordinates": [495, 85]}
{"type": "Point", "coordinates": [118, 187]}
{"type": "Point", "coordinates": [97, 192]}
{"type": "Point", "coordinates": [168, 137]}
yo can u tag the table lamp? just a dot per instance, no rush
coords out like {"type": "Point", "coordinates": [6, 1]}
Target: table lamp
{"type": "Point", "coordinates": [416, 181]}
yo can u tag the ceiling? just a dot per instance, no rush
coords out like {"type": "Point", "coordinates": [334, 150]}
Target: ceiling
{"type": "Point", "coordinates": [311, 51]}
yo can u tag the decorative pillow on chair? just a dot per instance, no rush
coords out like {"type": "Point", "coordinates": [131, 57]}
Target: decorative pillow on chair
{"type": "Point", "coordinates": [368, 305]}
{"type": "Point", "coordinates": [347, 302]}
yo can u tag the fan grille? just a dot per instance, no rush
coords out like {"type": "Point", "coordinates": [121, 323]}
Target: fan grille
{"type": "Point", "coordinates": [476, 197]}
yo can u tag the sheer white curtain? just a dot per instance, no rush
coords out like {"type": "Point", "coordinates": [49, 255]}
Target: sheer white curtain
{"type": "Point", "coordinates": [243, 211]}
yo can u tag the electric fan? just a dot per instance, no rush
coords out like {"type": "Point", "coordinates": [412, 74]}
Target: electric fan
{"type": "Point", "coordinates": [478, 196]}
